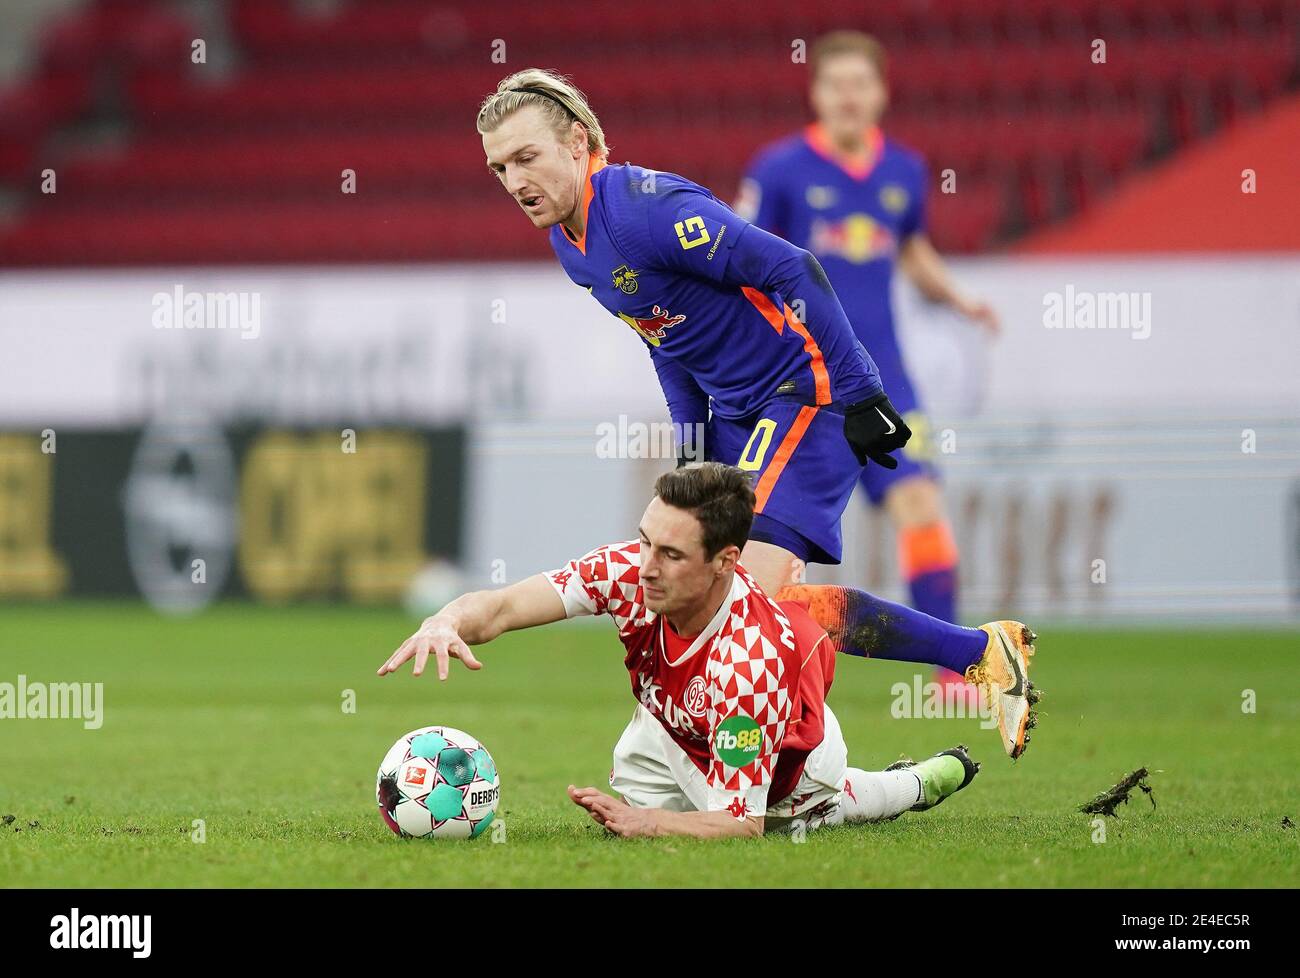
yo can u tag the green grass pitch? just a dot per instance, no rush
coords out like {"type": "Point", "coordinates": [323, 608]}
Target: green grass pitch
{"type": "Point", "coordinates": [235, 718]}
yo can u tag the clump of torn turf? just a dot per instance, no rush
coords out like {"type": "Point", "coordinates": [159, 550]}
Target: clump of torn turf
{"type": "Point", "coordinates": [1118, 794]}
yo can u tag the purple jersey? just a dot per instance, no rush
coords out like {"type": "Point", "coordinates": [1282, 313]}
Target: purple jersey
{"type": "Point", "coordinates": [732, 316]}
{"type": "Point", "coordinates": [853, 219]}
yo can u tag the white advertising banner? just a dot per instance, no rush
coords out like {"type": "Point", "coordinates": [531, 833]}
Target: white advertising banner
{"type": "Point", "coordinates": [1128, 447]}
{"type": "Point", "coordinates": [443, 343]}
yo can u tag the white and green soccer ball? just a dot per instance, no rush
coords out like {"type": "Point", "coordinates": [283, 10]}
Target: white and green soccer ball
{"type": "Point", "coordinates": [438, 783]}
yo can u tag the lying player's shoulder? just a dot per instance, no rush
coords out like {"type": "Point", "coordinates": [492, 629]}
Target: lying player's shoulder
{"type": "Point", "coordinates": [801, 620]}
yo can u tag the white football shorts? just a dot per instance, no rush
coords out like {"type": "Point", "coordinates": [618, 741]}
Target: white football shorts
{"type": "Point", "coordinates": [651, 771]}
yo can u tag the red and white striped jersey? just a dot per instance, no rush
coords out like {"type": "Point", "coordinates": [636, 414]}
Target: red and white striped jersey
{"type": "Point", "coordinates": [731, 697]}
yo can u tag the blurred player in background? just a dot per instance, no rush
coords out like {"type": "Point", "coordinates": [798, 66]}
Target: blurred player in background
{"type": "Point", "coordinates": [856, 200]}
{"type": "Point", "coordinates": [793, 399]}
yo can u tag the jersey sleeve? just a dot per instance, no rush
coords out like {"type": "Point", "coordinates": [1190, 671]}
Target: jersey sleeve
{"type": "Point", "coordinates": [688, 404]}
{"type": "Point", "coordinates": [691, 232]}
{"type": "Point", "coordinates": [749, 709]}
{"type": "Point", "coordinates": [606, 581]}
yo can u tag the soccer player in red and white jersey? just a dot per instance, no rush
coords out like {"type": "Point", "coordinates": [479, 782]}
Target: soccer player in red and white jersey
{"type": "Point", "coordinates": [731, 734]}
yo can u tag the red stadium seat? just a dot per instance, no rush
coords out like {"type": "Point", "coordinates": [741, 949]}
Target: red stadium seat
{"type": "Point", "coordinates": [1004, 93]}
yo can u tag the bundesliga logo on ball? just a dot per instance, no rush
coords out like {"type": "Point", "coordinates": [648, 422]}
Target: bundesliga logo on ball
{"type": "Point", "coordinates": [438, 782]}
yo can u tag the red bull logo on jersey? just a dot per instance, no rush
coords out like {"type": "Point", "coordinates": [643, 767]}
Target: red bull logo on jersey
{"type": "Point", "coordinates": [652, 327]}
{"type": "Point", "coordinates": [858, 238]}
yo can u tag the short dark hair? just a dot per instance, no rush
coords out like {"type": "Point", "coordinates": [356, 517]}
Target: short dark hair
{"type": "Point", "coordinates": [717, 495]}
{"type": "Point", "coordinates": [847, 42]}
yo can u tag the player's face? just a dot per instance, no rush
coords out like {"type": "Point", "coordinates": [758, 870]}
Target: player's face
{"type": "Point", "coordinates": [848, 96]}
{"type": "Point", "coordinates": [542, 173]}
{"type": "Point", "coordinates": [676, 575]}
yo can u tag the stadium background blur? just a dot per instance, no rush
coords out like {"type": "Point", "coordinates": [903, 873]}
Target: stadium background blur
{"type": "Point", "coordinates": [319, 160]}
{"type": "Point", "coordinates": [409, 397]}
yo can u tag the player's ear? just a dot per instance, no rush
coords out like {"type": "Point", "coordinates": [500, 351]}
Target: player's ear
{"type": "Point", "coordinates": [727, 558]}
{"type": "Point", "coordinates": [577, 138]}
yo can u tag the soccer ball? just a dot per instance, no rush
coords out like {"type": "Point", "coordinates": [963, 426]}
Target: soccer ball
{"type": "Point", "coordinates": [438, 782]}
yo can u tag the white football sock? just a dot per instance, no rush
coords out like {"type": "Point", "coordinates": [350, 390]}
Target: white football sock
{"type": "Point", "coordinates": [869, 796]}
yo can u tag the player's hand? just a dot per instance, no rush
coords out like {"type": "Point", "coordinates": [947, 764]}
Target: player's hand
{"type": "Point", "coordinates": [874, 429]}
{"type": "Point", "coordinates": [981, 314]}
{"type": "Point", "coordinates": [586, 798]}
{"type": "Point", "coordinates": [437, 637]}
{"type": "Point", "coordinates": [614, 814]}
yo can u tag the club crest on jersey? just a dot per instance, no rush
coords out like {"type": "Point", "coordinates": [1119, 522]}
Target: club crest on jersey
{"type": "Point", "coordinates": [652, 327]}
{"type": "Point", "coordinates": [625, 280]}
{"type": "Point", "coordinates": [893, 198]}
{"type": "Point", "coordinates": [695, 699]}
{"type": "Point", "coordinates": [660, 703]}
{"type": "Point", "coordinates": [819, 198]}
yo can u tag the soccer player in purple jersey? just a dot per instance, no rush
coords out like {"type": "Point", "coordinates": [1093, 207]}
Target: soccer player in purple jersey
{"type": "Point", "coordinates": [856, 200]}
{"type": "Point", "coordinates": [749, 340]}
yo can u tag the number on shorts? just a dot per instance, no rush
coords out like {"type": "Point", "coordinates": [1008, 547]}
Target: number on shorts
{"type": "Point", "coordinates": [751, 459]}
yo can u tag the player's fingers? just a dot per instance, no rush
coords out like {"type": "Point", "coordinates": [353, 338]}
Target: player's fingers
{"type": "Point", "coordinates": [582, 796]}
{"type": "Point", "coordinates": [620, 828]}
{"type": "Point", "coordinates": [397, 658]}
{"type": "Point", "coordinates": [421, 656]}
{"type": "Point", "coordinates": [465, 655]}
{"type": "Point", "coordinates": [883, 459]}
{"type": "Point", "coordinates": [444, 661]}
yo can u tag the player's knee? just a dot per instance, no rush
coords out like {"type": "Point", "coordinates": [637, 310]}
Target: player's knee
{"type": "Point", "coordinates": [915, 502]}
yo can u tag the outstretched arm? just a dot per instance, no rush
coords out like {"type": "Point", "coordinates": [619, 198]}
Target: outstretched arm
{"type": "Point", "coordinates": [476, 618]}
{"type": "Point", "coordinates": [620, 818]}
{"type": "Point", "coordinates": [928, 272]}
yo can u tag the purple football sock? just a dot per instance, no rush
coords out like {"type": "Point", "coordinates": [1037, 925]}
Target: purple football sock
{"type": "Point", "coordinates": [862, 624]}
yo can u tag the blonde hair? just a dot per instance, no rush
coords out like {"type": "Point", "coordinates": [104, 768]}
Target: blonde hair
{"type": "Point", "coordinates": [561, 103]}
{"type": "Point", "coordinates": [847, 42]}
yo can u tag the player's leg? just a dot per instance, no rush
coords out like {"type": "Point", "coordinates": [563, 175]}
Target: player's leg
{"type": "Point", "coordinates": [830, 792]}
{"type": "Point", "coordinates": [994, 657]}
{"type": "Point", "coordinates": [927, 557]}
{"type": "Point", "coordinates": [926, 550]}
{"type": "Point", "coordinates": [910, 496]}
{"type": "Point", "coordinates": [772, 566]}
{"type": "Point", "coordinates": [905, 786]}
{"type": "Point", "coordinates": [804, 475]}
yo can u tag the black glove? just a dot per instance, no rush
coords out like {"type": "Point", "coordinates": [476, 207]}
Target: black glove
{"type": "Point", "coordinates": [874, 429]}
